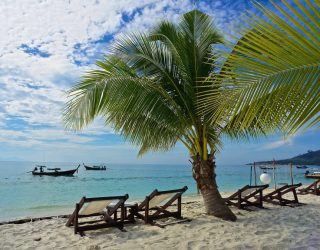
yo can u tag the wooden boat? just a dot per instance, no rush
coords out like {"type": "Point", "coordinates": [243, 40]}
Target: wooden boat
{"type": "Point", "coordinates": [302, 167]}
{"type": "Point", "coordinates": [314, 175]}
{"type": "Point", "coordinates": [55, 172]}
{"type": "Point", "coordinates": [95, 167]}
{"type": "Point", "coordinates": [266, 167]}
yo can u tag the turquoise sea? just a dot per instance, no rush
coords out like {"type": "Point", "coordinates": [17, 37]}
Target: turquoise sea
{"type": "Point", "coordinates": [25, 195]}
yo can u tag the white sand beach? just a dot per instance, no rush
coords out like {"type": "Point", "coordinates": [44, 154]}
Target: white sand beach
{"type": "Point", "coordinates": [273, 228]}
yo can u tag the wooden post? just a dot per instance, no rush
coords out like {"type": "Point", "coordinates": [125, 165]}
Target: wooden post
{"type": "Point", "coordinates": [291, 176]}
{"type": "Point", "coordinates": [255, 173]}
{"type": "Point", "coordinates": [251, 175]}
{"type": "Point", "coordinates": [274, 175]}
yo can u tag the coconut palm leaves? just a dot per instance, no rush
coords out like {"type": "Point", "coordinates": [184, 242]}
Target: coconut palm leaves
{"type": "Point", "coordinates": [148, 87]}
{"type": "Point", "coordinates": [270, 80]}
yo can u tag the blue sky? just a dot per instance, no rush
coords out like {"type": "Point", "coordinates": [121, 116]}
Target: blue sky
{"type": "Point", "coordinates": [46, 46]}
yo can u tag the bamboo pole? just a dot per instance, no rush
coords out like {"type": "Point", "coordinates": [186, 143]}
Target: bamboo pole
{"type": "Point", "coordinates": [274, 175]}
{"type": "Point", "coordinates": [255, 173]}
{"type": "Point", "coordinates": [250, 175]}
{"type": "Point", "coordinates": [291, 176]}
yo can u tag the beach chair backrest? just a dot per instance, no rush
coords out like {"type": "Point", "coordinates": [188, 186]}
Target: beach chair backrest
{"type": "Point", "coordinates": [248, 191]}
{"type": "Point", "coordinates": [159, 199]}
{"type": "Point", "coordinates": [94, 207]}
{"type": "Point", "coordinates": [313, 184]}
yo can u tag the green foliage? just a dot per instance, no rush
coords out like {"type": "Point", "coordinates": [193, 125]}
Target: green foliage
{"type": "Point", "coordinates": [270, 80]}
{"type": "Point", "coordinates": [172, 85]}
{"type": "Point", "coordinates": [148, 87]}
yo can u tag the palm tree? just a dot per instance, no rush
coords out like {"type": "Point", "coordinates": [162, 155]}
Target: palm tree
{"type": "Point", "coordinates": [170, 85]}
{"type": "Point", "coordinates": [271, 79]}
{"type": "Point", "coordinates": [148, 88]}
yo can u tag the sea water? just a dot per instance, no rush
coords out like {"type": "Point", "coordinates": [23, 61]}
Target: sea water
{"type": "Point", "coordinates": [24, 195]}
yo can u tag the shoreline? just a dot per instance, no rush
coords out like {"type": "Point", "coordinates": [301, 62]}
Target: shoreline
{"type": "Point", "coordinates": [40, 197]}
{"type": "Point", "coordinates": [276, 227]}
{"type": "Point", "coordinates": [64, 213]}
{"type": "Point", "coordinates": [186, 199]}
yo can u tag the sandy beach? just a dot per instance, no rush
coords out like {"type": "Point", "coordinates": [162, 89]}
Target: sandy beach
{"type": "Point", "coordinates": [115, 114]}
{"type": "Point", "coordinates": [273, 228]}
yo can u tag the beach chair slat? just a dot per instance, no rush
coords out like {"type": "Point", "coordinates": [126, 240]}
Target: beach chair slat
{"type": "Point", "coordinates": [276, 197]}
{"type": "Point", "coordinates": [155, 206]}
{"type": "Point", "coordinates": [240, 199]}
{"type": "Point", "coordinates": [247, 192]}
{"type": "Point", "coordinates": [313, 188]}
{"type": "Point", "coordinates": [94, 207]}
{"type": "Point", "coordinates": [158, 200]}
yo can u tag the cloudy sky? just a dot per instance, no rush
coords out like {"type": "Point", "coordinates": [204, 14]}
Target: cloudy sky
{"type": "Point", "coordinates": [46, 46]}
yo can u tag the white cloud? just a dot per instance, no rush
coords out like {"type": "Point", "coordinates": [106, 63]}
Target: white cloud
{"type": "Point", "coordinates": [32, 88]}
{"type": "Point", "coordinates": [56, 27]}
{"type": "Point", "coordinates": [278, 144]}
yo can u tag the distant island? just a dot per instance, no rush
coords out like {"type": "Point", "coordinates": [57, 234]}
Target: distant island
{"type": "Point", "coordinates": [309, 158]}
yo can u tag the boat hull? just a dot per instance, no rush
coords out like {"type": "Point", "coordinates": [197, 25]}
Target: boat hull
{"type": "Point", "coordinates": [266, 168]}
{"type": "Point", "coordinates": [312, 176]}
{"type": "Point", "coordinates": [94, 168]}
{"type": "Point", "coordinates": [60, 173]}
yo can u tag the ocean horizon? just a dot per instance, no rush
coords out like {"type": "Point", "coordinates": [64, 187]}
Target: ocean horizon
{"type": "Point", "coordinates": [24, 195]}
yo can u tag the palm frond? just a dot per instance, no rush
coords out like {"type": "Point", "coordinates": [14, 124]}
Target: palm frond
{"type": "Point", "coordinates": [148, 87]}
{"type": "Point", "coordinates": [137, 107]}
{"type": "Point", "coordinates": [273, 71]}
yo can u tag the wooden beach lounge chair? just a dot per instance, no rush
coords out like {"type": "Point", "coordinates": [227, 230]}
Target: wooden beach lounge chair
{"type": "Point", "coordinates": [276, 197]}
{"type": "Point", "coordinates": [156, 206]}
{"type": "Point", "coordinates": [247, 196]}
{"type": "Point", "coordinates": [313, 188]}
{"type": "Point", "coordinates": [96, 210]}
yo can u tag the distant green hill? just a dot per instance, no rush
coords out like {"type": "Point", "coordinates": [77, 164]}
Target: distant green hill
{"type": "Point", "coordinates": [310, 158]}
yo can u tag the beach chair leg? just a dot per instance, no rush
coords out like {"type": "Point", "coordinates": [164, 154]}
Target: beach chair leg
{"type": "Point", "coordinates": [260, 199]}
{"type": "Point", "coordinates": [179, 207]}
{"type": "Point", "coordinates": [131, 213]}
{"type": "Point", "coordinates": [295, 196]}
{"type": "Point", "coordinates": [239, 200]}
{"type": "Point", "coordinates": [123, 213]}
{"type": "Point", "coordinates": [121, 227]}
{"type": "Point", "coordinates": [280, 199]}
{"type": "Point", "coordinates": [75, 222]}
{"type": "Point", "coordinates": [115, 215]}
{"type": "Point", "coordinates": [70, 220]}
{"type": "Point", "coordinates": [146, 214]}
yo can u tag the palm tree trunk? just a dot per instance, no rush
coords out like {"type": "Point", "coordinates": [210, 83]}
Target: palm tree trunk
{"type": "Point", "coordinates": [204, 174]}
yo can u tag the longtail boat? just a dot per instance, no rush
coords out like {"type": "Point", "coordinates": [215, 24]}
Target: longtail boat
{"type": "Point", "coordinates": [54, 171]}
{"type": "Point", "coordinates": [95, 167]}
{"type": "Point", "coordinates": [302, 167]}
{"type": "Point", "coordinates": [266, 167]}
{"type": "Point", "coordinates": [314, 175]}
